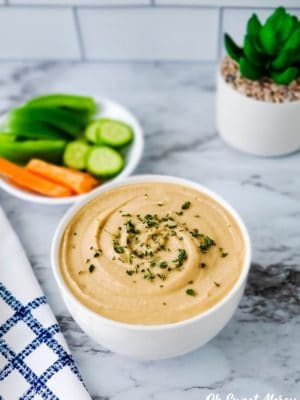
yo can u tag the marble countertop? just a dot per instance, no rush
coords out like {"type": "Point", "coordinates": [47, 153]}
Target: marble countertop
{"type": "Point", "coordinates": [259, 350]}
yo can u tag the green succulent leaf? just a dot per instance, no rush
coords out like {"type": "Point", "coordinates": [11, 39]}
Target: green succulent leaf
{"type": "Point", "coordinates": [286, 26]}
{"type": "Point", "coordinates": [253, 26]}
{"type": "Point", "coordinates": [268, 39]}
{"type": "Point", "coordinates": [293, 42]}
{"type": "Point", "coordinates": [284, 59]}
{"type": "Point", "coordinates": [251, 52]}
{"type": "Point", "coordinates": [285, 77]}
{"type": "Point", "coordinates": [249, 70]}
{"type": "Point", "coordinates": [233, 50]}
{"type": "Point", "coordinates": [275, 17]}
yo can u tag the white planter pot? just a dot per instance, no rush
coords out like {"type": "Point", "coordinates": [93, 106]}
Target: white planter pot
{"type": "Point", "coordinates": [257, 127]}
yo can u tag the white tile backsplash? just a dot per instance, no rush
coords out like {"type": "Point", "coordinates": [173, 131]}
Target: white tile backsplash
{"type": "Point", "coordinates": [129, 30]}
{"type": "Point", "coordinates": [83, 2]}
{"type": "Point", "coordinates": [150, 34]}
{"type": "Point", "coordinates": [231, 3]}
{"type": "Point", "coordinates": [38, 33]}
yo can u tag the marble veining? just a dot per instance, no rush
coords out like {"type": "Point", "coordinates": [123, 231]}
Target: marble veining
{"type": "Point", "coordinates": [258, 352]}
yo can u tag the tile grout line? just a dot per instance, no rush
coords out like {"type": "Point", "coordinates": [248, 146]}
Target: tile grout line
{"type": "Point", "coordinates": [79, 34]}
{"type": "Point", "coordinates": [220, 35]}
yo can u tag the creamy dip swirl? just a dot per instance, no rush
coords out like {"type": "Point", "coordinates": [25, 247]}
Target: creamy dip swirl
{"type": "Point", "coordinates": [151, 253]}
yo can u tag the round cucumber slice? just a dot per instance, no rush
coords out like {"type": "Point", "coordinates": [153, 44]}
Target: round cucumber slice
{"type": "Point", "coordinates": [91, 132]}
{"type": "Point", "coordinates": [76, 154]}
{"type": "Point", "coordinates": [114, 133]}
{"type": "Point", "coordinates": [104, 161]}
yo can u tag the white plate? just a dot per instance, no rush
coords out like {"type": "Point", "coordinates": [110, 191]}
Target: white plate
{"type": "Point", "coordinates": [107, 108]}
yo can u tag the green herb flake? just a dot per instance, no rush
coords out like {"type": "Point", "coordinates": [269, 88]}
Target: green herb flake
{"type": "Point", "coordinates": [207, 242]}
{"type": "Point", "coordinates": [163, 264]}
{"type": "Point", "coordinates": [129, 272]}
{"type": "Point", "coordinates": [186, 205]}
{"type": "Point", "coordinates": [181, 257]}
{"type": "Point", "coordinates": [222, 253]}
{"type": "Point", "coordinates": [91, 268]}
{"type": "Point", "coordinates": [217, 284]}
{"type": "Point", "coordinates": [190, 292]}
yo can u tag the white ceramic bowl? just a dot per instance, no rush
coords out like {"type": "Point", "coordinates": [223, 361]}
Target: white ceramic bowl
{"type": "Point", "coordinates": [133, 154]}
{"type": "Point", "coordinates": [154, 341]}
{"type": "Point", "coordinates": [257, 127]}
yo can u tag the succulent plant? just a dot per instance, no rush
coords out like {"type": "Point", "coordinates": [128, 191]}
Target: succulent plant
{"type": "Point", "coordinates": [270, 50]}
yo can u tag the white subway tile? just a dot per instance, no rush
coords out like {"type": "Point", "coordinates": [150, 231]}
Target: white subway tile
{"type": "Point", "coordinates": [83, 2]}
{"type": "Point", "coordinates": [37, 33]}
{"type": "Point", "coordinates": [231, 3]}
{"type": "Point", "coordinates": [152, 33]}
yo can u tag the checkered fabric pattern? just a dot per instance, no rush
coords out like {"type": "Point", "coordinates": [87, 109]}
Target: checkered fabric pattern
{"type": "Point", "coordinates": [27, 344]}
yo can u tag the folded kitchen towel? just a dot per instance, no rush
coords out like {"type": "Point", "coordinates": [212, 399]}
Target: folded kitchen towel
{"type": "Point", "coordinates": [35, 362]}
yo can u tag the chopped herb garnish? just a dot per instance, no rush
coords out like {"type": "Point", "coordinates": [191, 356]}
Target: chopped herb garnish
{"type": "Point", "coordinates": [179, 212]}
{"type": "Point", "coordinates": [182, 256]}
{"type": "Point", "coordinates": [80, 272]}
{"type": "Point", "coordinates": [186, 205]}
{"type": "Point", "coordinates": [217, 284]}
{"type": "Point", "coordinates": [126, 215]}
{"type": "Point", "coordinates": [149, 275]}
{"type": "Point", "coordinates": [190, 292]}
{"type": "Point", "coordinates": [151, 220]}
{"type": "Point", "coordinates": [130, 227]}
{"type": "Point", "coordinates": [190, 282]}
{"type": "Point", "coordinates": [160, 204]}
{"type": "Point", "coordinates": [163, 264]}
{"type": "Point", "coordinates": [118, 249]}
{"type": "Point", "coordinates": [97, 254]}
{"type": "Point", "coordinates": [91, 268]}
{"type": "Point", "coordinates": [222, 253]}
{"type": "Point", "coordinates": [195, 233]}
{"type": "Point", "coordinates": [207, 242]}
{"type": "Point", "coordinates": [202, 265]}
{"type": "Point", "coordinates": [130, 272]}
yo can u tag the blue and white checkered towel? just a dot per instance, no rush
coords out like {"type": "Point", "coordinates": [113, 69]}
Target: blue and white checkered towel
{"type": "Point", "coordinates": [35, 362]}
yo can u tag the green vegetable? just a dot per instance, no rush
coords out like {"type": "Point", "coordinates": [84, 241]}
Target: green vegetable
{"type": "Point", "coordinates": [190, 292]}
{"type": "Point", "coordinates": [28, 128]}
{"type": "Point", "coordinates": [22, 152]}
{"type": "Point", "coordinates": [270, 50]}
{"type": "Point", "coordinates": [67, 121]}
{"type": "Point", "coordinates": [76, 154]}
{"type": "Point", "coordinates": [109, 132]}
{"type": "Point", "coordinates": [80, 103]}
{"type": "Point", "coordinates": [104, 161]}
{"type": "Point", "coordinates": [7, 137]}
{"type": "Point", "coordinates": [91, 132]}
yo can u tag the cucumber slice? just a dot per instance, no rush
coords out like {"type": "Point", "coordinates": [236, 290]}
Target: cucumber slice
{"type": "Point", "coordinates": [76, 154]}
{"type": "Point", "coordinates": [104, 161]}
{"type": "Point", "coordinates": [92, 132]}
{"type": "Point", "coordinates": [114, 133]}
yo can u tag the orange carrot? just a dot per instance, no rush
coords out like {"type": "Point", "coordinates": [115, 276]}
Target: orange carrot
{"type": "Point", "coordinates": [30, 181]}
{"type": "Point", "coordinates": [79, 182]}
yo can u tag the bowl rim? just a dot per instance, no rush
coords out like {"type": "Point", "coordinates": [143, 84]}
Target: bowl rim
{"type": "Point", "coordinates": [148, 179]}
{"type": "Point", "coordinates": [137, 147]}
{"type": "Point", "coordinates": [269, 104]}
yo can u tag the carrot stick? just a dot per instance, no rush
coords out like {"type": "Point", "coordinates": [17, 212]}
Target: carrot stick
{"type": "Point", "coordinates": [79, 182]}
{"type": "Point", "coordinates": [27, 180]}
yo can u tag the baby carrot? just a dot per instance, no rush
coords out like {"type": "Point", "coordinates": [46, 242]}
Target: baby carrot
{"type": "Point", "coordinates": [30, 181]}
{"type": "Point", "coordinates": [79, 182]}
